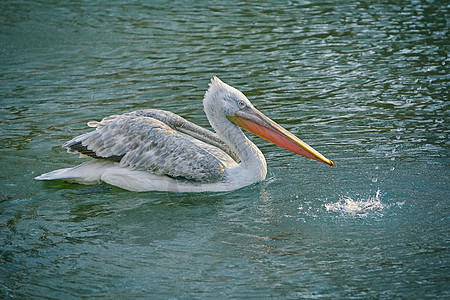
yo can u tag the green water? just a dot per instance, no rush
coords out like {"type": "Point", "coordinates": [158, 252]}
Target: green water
{"type": "Point", "coordinates": [366, 83]}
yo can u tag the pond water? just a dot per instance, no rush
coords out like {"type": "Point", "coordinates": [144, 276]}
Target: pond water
{"type": "Point", "coordinates": [366, 83]}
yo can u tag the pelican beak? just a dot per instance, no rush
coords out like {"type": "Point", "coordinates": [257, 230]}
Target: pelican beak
{"type": "Point", "coordinates": [257, 123]}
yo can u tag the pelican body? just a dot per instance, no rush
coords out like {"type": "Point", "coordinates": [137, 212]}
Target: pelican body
{"type": "Point", "coordinates": [156, 150]}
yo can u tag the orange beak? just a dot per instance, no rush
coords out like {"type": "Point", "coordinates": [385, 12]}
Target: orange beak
{"type": "Point", "coordinates": [257, 123]}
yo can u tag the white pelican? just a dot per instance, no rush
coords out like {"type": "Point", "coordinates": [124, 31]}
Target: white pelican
{"type": "Point", "coordinates": [148, 150]}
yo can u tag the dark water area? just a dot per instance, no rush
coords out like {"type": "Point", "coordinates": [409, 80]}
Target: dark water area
{"type": "Point", "coordinates": [366, 83]}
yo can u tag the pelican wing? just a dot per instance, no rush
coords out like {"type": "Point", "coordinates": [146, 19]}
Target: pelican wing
{"type": "Point", "coordinates": [181, 125]}
{"type": "Point", "coordinates": [145, 143]}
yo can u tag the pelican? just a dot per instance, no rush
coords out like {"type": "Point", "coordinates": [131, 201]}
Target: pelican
{"type": "Point", "coordinates": [156, 150]}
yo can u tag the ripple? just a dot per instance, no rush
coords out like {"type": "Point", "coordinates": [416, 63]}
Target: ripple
{"type": "Point", "coordinates": [364, 82]}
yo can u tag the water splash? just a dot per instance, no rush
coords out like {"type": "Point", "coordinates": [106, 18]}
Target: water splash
{"type": "Point", "coordinates": [357, 207]}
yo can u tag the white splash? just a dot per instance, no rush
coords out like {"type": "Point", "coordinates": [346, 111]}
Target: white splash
{"type": "Point", "coordinates": [358, 207]}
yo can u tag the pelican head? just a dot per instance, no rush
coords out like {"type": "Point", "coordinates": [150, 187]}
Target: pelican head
{"type": "Point", "coordinates": [223, 101]}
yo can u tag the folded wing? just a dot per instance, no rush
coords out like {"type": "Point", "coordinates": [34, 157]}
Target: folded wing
{"type": "Point", "coordinates": [139, 141]}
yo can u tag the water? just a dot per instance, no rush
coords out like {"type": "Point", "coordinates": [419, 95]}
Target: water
{"type": "Point", "coordinates": [365, 83]}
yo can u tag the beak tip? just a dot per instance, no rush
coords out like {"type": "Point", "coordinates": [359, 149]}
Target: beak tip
{"type": "Point", "coordinates": [332, 164]}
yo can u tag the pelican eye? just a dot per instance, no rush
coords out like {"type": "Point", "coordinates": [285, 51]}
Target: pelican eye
{"type": "Point", "coordinates": [241, 104]}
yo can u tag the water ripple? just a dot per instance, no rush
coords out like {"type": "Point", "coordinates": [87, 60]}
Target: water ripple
{"type": "Point", "coordinates": [364, 82]}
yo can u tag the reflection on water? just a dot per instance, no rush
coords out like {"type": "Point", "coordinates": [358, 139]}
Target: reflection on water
{"type": "Point", "coordinates": [364, 82]}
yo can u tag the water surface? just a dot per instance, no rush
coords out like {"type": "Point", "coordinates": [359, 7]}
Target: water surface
{"type": "Point", "coordinates": [365, 83]}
